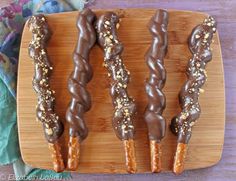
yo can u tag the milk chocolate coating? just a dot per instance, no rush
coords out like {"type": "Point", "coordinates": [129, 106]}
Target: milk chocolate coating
{"type": "Point", "coordinates": [124, 105]}
{"type": "Point", "coordinates": [157, 77]}
{"type": "Point", "coordinates": [81, 75]}
{"type": "Point", "coordinates": [53, 128]}
{"type": "Point", "coordinates": [199, 45]}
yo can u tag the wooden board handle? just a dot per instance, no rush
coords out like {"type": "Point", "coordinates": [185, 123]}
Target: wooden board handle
{"type": "Point", "coordinates": [179, 159]}
{"type": "Point", "coordinates": [73, 153]}
{"type": "Point", "coordinates": [130, 156]}
{"type": "Point", "coordinates": [155, 152]}
{"type": "Point", "coordinates": [58, 164]}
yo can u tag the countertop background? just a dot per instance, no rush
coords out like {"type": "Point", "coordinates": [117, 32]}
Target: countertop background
{"type": "Point", "coordinates": [225, 13]}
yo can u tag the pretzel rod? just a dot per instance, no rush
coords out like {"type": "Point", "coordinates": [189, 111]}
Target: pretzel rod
{"type": "Point", "coordinates": [73, 153]}
{"type": "Point", "coordinates": [57, 159]}
{"type": "Point", "coordinates": [130, 155]}
{"type": "Point", "coordinates": [80, 97]}
{"type": "Point", "coordinates": [179, 159]}
{"type": "Point", "coordinates": [156, 155]}
{"type": "Point", "coordinates": [181, 125]}
{"type": "Point", "coordinates": [53, 128]}
{"type": "Point", "coordinates": [124, 105]}
{"type": "Point", "coordinates": [154, 85]}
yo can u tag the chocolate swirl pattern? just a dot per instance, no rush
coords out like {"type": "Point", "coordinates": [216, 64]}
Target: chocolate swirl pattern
{"type": "Point", "coordinates": [124, 105]}
{"type": "Point", "coordinates": [53, 128]}
{"type": "Point", "coordinates": [154, 85]}
{"type": "Point", "coordinates": [81, 75]}
{"type": "Point", "coordinates": [199, 45]}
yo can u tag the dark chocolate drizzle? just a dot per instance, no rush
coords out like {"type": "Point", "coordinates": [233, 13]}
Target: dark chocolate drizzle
{"type": "Point", "coordinates": [81, 75]}
{"type": "Point", "coordinates": [53, 128]}
{"type": "Point", "coordinates": [124, 105]}
{"type": "Point", "coordinates": [157, 78]}
{"type": "Point", "coordinates": [199, 45]}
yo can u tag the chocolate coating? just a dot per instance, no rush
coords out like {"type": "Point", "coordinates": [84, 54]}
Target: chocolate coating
{"type": "Point", "coordinates": [53, 128]}
{"type": "Point", "coordinates": [124, 105]}
{"type": "Point", "coordinates": [199, 45]}
{"type": "Point", "coordinates": [157, 77]}
{"type": "Point", "coordinates": [81, 75]}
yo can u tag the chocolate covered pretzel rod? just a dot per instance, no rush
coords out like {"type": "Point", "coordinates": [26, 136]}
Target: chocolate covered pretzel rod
{"type": "Point", "coordinates": [53, 128]}
{"type": "Point", "coordinates": [154, 85]}
{"type": "Point", "coordinates": [81, 75]}
{"type": "Point", "coordinates": [124, 105]}
{"type": "Point", "coordinates": [181, 125]}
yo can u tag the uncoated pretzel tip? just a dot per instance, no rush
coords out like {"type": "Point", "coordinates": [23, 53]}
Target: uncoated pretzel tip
{"type": "Point", "coordinates": [130, 156]}
{"type": "Point", "coordinates": [73, 153]}
{"type": "Point", "coordinates": [58, 164]}
{"type": "Point", "coordinates": [179, 159]}
{"type": "Point", "coordinates": [156, 154]}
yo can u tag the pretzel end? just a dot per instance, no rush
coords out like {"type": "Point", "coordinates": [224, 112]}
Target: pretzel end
{"type": "Point", "coordinates": [180, 158]}
{"type": "Point", "coordinates": [58, 164]}
{"type": "Point", "coordinates": [73, 153]}
{"type": "Point", "coordinates": [130, 156]}
{"type": "Point", "coordinates": [155, 152]}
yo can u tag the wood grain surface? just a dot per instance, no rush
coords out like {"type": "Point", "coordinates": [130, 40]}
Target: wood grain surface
{"type": "Point", "coordinates": [102, 152]}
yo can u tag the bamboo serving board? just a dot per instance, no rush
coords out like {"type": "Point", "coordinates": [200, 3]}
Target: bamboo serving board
{"type": "Point", "coordinates": [102, 152]}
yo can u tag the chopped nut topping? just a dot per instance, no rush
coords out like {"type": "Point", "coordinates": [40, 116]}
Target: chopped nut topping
{"type": "Point", "coordinates": [201, 90]}
{"type": "Point", "coordinates": [116, 69]}
{"type": "Point", "coordinates": [117, 26]}
{"type": "Point", "coordinates": [49, 131]}
{"type": "Point", "coordinates": [107, 22]}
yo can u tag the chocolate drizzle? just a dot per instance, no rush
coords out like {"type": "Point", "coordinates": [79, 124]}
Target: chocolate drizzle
{"type": "Point", "coordinates": [157, 78]}
{"type": "Point", "coordinates": [125, 108]}
{"type": "Point", "coordinates": [199, 45]}
{"type": "Point", "coordinates": [81, 75]}
{"type": "Point", "coordinates": [38, 52]}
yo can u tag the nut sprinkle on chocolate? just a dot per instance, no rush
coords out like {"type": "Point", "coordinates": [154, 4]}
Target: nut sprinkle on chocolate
{"type": "Point", "coordinates": [124, 105]}
{"type": "Point", "coordinates": [53, 128]}
{"type": "Point", "coordinates": [181, 125]}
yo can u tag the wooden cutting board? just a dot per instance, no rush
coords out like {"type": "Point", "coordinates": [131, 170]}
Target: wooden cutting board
{"type": "Point", "coordinates": [102, 152]}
